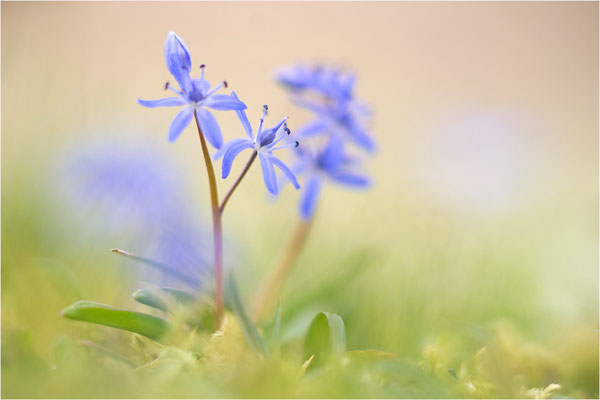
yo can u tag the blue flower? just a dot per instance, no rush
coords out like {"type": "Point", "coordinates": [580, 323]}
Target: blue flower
{"type": "Point", "coordinates": [131, 181]}
{"type": "Point", "coordinates": [330, 82]}
{"type": "Point", "coordinates": [329, 93]}
{"type": "Point", "coordinates": [329, 164]}
{"type": "Point", "coordinates": [264, 144]}
{"type": "Point", "coordinates": [195, 94]}
{"type": "Point", "coordinates": [131, 191]}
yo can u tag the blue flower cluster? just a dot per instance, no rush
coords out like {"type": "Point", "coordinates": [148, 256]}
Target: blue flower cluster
{"type": "Point", "coordinates": [339, 119]}
{"type": "Point", "coordinates": [196, 95]}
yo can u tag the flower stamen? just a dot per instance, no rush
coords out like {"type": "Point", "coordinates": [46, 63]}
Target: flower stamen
{"type": "Point", "coordinates": [215, 89]}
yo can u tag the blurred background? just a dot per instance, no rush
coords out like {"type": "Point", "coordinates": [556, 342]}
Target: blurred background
{"type": "Point", "coordinates": [481, 228]}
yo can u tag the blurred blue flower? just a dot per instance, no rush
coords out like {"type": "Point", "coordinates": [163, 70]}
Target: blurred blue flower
{"type": "Point", "coordinates": [338, 118]}
{"type": "Point", "coordinates": [329, 94]}
{"type": "Point", "coordinates": [264, 144]}
{"type": "Point", "coordinates": [183, 245]}
{"type": "Point", "coordinates": [131, 189]}
{"type": "Point", "coordinates": [333, 83]}
{"type": "Point", "coordinates": [328, 164]}
{"type": "Point", "coordinates": [195, 94]}
{"type": "Point", "coordinates": [130, 180]}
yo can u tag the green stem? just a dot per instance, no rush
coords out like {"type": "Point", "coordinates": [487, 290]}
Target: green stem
{"type": "Point", "coordinates": [237, 182]}
{"type": "Point", "coordinates": [217, 227]}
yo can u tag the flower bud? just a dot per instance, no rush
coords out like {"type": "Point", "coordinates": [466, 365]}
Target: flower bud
{"type": "Point", "coordinates": [178, 59]}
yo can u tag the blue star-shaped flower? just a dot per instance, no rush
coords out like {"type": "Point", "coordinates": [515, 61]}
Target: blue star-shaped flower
{"type": "Point", "coordinates": [264, 144]}
{"type": "Point", "coordinates": [195, 94]}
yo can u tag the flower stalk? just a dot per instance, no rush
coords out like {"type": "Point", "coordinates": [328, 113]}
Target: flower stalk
{"type": "Point", "coordinates": [217, 227]}
{"type": "Point", "coordinates": [238, 181]}
{"type": "Point", "coordinates": [271, 288]}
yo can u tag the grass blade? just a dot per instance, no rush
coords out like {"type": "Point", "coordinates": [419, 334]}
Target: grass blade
{"type": "Point", "coordinates": [161, 267]}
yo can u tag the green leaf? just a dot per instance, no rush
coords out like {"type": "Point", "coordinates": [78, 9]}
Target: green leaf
{"type": "Point", "coordinates": [299, 309]}
{"type": "Point", "coordinates": [326, 337]}
{"type": "Point", "coordinates": [162, 298]}
{"type": "Point", "coordinates": [147, 325]}
{"type": "Point", "coordinates": [232, 296]}
{"type": "Point", "coordinates": [159, 266]}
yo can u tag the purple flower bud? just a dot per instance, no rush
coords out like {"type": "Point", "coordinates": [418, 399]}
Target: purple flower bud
{"type": "Point", "coordinates": [177, 54]}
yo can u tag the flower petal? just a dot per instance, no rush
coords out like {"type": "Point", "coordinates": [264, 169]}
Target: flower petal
{"type": "Point", "coordinates": [310, 129]}
{"type": "Point", "coordinates": [243, 118]}
{"type": "Point", "coordinates": [201, 84]}
{"type": "Point", "coordinates": [177, 53]}
{"type": "Point", "coordinates": [311, 105]}
{"type": "Point", "coordinates": [361, 137]}
{"type": "Point", "coordinates": [224, 102]}
{"type": "Point", "coordinates": [268, 174]}
{"type": "Point", "coordinates": [168, 102]}
{"type": "Point", "coordinates": [219, 153]}
{"type": "Point", "coordinates": [181, 121]}
{"type": "Point", "coordinates": [179, 61]}
{"type": "Point", "coordinates": [210, 128]}
{"type": "Point", "coordinates": [285, 170]}
{"type": "Point", "coordinates": [350, 179]}
{"type": "Point", "coordinates": [231, 154]}
{"type": "Point", "coordinates": [333, 155]}
{"type": "Point", "coordinates": [310, 195]}
{"type": "Point", "coordinates": [268, 135]}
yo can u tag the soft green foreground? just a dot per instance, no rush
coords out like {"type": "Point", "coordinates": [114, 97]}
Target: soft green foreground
{"type": "Point", "coordinates": [437, 294]}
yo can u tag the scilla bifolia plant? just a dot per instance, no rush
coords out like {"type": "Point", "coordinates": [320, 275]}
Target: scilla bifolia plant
{"type": "Point", "coordinates": [321, 150]}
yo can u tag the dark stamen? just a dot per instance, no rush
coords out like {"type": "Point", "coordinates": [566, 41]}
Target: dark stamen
{"type": "Point", "coordinates": [287, 130]}
{"type": "Point", "coordinates": [202, 66]}
{"type": "Point", "coordinates": [266, 107]}
{"type": "Point", "coordinates": [297, 144]}
{"type": "Point", "coordinates": [167, 85]}
{"type": "Point", "coordinates": [225, 84]}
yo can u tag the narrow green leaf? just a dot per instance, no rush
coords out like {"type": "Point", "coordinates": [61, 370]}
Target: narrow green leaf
{"type": "Point", "coordinates": [161, 267]}
{"type": "Point", "coordinates": [326, 337]}
{"type": "Point", "coordinates": [162, 297]}
{"type": "Point", "coordinates": [251, 334]}
{"type": "Point", "coordinates": [147, 325]}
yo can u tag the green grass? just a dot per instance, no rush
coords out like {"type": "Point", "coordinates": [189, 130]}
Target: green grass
{"type": "Point", "coordinates": [453, 307]}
